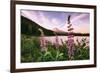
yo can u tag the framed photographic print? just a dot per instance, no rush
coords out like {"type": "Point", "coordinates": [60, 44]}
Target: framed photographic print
{"type": "Point", "coordinates": [52, 36]}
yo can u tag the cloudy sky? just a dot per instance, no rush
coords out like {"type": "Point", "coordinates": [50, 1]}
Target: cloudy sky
{"type": "Point", "coordinates": [51, 20]}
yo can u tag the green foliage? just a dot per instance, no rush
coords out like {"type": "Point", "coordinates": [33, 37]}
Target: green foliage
{"type": "Point", "coordinates": [82, 50]}
{"type": "Point", "coordinates": [31, 50]}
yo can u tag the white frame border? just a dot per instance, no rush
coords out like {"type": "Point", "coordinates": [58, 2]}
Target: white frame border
{"type": "Point", "coordinates": [20, 65]}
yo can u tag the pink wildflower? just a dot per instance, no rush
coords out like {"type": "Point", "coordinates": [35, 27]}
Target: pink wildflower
{"type": "Point", "coordinates": [70, 41]}
{"type": "Point", "coordinates": [43, 41]}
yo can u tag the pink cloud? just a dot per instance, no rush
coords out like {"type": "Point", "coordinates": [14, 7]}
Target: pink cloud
{"type": "Point", "coordinates": [43, 21]}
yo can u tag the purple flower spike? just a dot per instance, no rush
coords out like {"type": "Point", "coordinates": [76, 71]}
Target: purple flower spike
{"type": "Point", "coordinates": [43, 42]}
{"type": "Point", "coordinates": [70, 41]}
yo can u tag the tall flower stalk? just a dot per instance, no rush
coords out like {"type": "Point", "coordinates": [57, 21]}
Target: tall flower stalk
{"type": "Point", "coordinates": [56, 40]}
{"type": "Point", "coordinates": [42, 41]}
{"type": "Point", "coordinates": [70, 40]}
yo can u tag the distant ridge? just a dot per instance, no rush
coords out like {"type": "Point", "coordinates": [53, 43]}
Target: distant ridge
{"type": "Point", "coordinates": [29, 27]}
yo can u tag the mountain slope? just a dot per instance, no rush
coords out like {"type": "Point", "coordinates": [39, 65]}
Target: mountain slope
{"type": "Point", "coordinates": [29, 27]}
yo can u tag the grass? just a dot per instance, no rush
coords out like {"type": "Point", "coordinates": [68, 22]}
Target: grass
{"type": "Point", "coordinates": [31, 51]}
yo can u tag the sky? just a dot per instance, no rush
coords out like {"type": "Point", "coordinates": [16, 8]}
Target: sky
{"type": "Point", "coordinates": [58, 20]}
